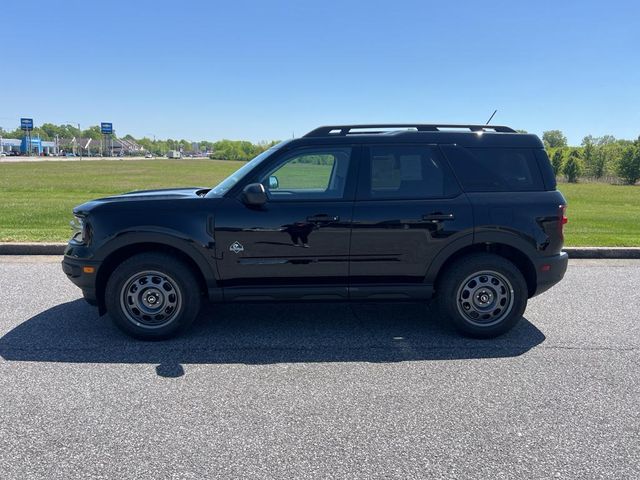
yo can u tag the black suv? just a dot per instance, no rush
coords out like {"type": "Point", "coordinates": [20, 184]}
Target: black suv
{"type": "Point", "coordinates": [468, 214]}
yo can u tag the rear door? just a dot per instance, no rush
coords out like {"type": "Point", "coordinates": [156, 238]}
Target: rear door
{"type": "Point", "coordinates": [408, 208]}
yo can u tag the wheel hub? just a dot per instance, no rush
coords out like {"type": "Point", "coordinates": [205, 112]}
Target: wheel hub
{"type": "Point", "coordinates": [485, 298]}
{"type": "Point", "coordinates": [153, 298]}
{"type": "Point", "coordinates": [150, 299]}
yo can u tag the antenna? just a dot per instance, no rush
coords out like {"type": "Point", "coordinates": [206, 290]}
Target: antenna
{"type": "Point", "coordinates": [491, 117]}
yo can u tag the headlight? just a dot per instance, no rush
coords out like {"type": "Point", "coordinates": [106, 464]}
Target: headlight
{"type": "Point", "coordinates": [81, 230]}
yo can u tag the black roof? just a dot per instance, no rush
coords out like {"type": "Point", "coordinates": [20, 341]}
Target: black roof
{"type": "Point", "coordinates": [465, 135]}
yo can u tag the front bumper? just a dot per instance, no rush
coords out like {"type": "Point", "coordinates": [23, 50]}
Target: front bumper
{"type": "Point", "coordinates": [74, 268]}
{"type": "Point", "coordinates": [550, 270]}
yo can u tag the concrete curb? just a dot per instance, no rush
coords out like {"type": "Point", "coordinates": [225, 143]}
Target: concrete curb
{"type": "Point", "coordinates": [603, 252]}
{"type": "Point", "coordinates": [9, 248]}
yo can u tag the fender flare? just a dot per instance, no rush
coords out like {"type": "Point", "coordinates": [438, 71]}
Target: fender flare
{"type": "Point", "coordinates": [502, 237]}
{"type": "Point", "coordinates": [202, 256]}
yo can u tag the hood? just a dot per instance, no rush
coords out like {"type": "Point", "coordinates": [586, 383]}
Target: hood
{"type": "Point", "coordinates": [159, 194]}
{"type": "Point", "coordinates": [144, 195]}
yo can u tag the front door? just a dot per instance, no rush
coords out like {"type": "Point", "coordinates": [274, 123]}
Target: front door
{"type": "Point", "coordinates": [297, 245]}
{"type": "Point", "coordinates": [408, 207]}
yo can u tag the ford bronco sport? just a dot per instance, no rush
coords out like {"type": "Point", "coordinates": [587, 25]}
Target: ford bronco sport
{"type": "Point", "coordinates": [466, 214]}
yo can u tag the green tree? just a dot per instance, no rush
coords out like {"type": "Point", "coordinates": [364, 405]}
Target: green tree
{"type": "Point", "coordinates": [554, 139]}
{"type": "Point", "coordinates": [237, 150]}
{"type": "Point", "coordinates": [17, 133]}
{"type": "Point", "coordinates": [572, 167]}
{"type": "Point", "coordinates": [628, 167]}
{"type": "Point", "coordinates": [92, 132]}
{"type": "Point", "coordinates": [592, 168]}
{"type": "Point", "coordinates": [605, 140]}
{"type": "Point", "coordinates": [51, 130]}
{"type": "Point", "coordinates": [556, 161]}
{"type": "Point", "coordinates": [598, 166]}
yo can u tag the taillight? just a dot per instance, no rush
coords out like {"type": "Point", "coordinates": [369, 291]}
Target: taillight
{"type": "Point", "coordinates": [562, 220]}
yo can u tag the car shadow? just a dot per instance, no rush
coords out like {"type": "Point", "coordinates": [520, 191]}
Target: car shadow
{"type": "Point", "coordinates": [261, 334]}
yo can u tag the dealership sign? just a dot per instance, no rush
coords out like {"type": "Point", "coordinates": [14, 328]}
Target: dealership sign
{"type": "Point", "coordinates": [26, 123]}
{"type": "Point", "coordinates": [106, 128]}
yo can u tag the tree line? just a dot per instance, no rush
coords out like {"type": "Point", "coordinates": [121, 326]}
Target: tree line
{"type": "Point", "coordinates": [49, 131]}
{"type": "Point", "coordinates": [597, 158]}
{"type": "Point", "coordinates": [222, 149]}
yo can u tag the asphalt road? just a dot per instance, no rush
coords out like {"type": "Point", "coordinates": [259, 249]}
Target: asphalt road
{"type": "Point", "coordinates": [321, 391]}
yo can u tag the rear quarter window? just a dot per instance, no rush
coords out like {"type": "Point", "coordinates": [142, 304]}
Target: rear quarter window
{"type": "Point", "coordinates": [495, 169]}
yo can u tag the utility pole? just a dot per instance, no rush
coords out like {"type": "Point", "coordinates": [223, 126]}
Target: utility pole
{"type": "Point", "coordinates": [80, 134]}
{"type": "Point", "coordinates": [77, 141]}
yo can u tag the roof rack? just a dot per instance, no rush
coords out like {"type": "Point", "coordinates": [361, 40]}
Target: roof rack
{"type": "Point", "coordinates": [343, 130]}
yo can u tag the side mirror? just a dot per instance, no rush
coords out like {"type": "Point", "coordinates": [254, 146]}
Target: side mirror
{"type": "Point", "coordinates": [273, 182]}
{"type": "Point", "coordinates": [254, 195]}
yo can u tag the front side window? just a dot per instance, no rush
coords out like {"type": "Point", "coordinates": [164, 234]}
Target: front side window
{"type": "Point", "coordinates": [405, 172]}
{"type": "Point", "coordinates": [312, 174]}
{"type": "Point", "coordinates": [228, 183]}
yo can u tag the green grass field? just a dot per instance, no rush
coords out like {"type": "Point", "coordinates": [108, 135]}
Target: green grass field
{"type": "Point", "coordinates": [36, 198]}
{"type": "Point", "coordinates": [602, 215]}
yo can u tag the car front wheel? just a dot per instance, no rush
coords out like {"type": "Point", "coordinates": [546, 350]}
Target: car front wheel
{"type": "Point", "coordinates": [152, 296]}
{"type": "Point", "coordinates": [483, 295]}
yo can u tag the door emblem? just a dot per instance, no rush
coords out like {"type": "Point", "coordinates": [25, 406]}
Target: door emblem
{"type": "Point", "coordinates": [236, 247]}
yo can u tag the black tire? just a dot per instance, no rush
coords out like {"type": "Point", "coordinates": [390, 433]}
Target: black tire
{"type": "Point", "coordinates": [483, 295]}
{"type": "Point", "coordinates": [152, 296]}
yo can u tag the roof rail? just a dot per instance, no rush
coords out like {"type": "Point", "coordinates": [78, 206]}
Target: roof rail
{"type": "Point", "coordinates": [339, 130]}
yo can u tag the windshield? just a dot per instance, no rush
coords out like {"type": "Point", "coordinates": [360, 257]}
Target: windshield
{"type": "Point", "coordinates": [227, 184]}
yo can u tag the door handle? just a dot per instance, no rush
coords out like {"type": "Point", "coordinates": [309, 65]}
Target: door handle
{"type": "Point", "coordinates": [438, 217]}
{"type": "Point", "coordinates": [323, 218]}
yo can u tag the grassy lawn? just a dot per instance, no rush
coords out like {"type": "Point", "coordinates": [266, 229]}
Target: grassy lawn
{"type": "Point", "coordinates": [36, 198]}
{"type": "Point", "coordinates": [602, 215]}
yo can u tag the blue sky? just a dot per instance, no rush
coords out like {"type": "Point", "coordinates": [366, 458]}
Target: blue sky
{"type": "Point", "coordinates": [262, 70]}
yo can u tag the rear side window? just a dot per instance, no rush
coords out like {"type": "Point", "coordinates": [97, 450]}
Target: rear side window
{"type": "Point", "coordinates": [495, 169]}
{"type": "Point", "coordinates": [405, 172]}
{"type": "Point", "coordinates": [546, 169]}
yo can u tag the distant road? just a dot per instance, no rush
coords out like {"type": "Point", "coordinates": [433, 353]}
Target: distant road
{"type": "Point", "coordinates": [321, 390]}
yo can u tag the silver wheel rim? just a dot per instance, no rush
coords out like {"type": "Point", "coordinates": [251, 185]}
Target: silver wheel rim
{"type": "Point", "coordinates": [485, 298]}
{"type": "Point", "coordinates": [150, 299]}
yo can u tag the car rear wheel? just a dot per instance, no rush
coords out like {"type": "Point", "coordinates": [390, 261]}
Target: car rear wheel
{"type": "Point", "coordinates": [483, 295]}
{"type": "Point", "coordinates": [152, 296]}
